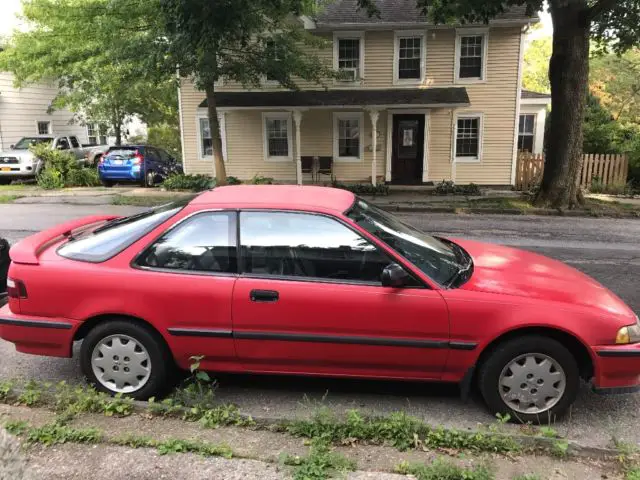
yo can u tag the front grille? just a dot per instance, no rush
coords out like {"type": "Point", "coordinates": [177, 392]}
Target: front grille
{"type": "Point", "coordinates": [8, 160]}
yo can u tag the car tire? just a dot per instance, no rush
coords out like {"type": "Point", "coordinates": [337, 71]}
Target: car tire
{"type": "Point", "coordinates": [150, 179]}
{"type": "Point", "coordinates": [559, 377]}
{"type": "Point", "coordinates": [5, 181]}
{"type": "Point", "coordinates": [135, 347]}
{"type": "Point", "coordinates": [106, 183]}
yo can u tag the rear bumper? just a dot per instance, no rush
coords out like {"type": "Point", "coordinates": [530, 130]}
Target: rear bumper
{"type": "Point", "coordinates": [617, 369]}
{"type": "Point", "coordinates": [130, 174]}
{"type": "Point", "coordinates": [51, 337]}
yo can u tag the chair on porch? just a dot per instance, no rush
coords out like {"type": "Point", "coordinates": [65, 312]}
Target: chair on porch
{"type": "Point", "coordinates": [325, 167]}
{"type": "Point", "coordinates": [307, 165]}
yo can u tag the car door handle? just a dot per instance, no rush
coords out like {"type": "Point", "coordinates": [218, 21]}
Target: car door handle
{"type": "Point", "coordinates": [264, 296]}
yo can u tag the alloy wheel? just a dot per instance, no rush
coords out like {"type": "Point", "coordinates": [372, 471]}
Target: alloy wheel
{"type": "Point", "coordinates": [121, 363]}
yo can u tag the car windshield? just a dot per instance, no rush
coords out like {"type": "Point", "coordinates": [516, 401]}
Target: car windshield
{"type": "Point", "coordinates": [26, 142]}
{"type": "Point", "coordinates": [114, 236]}
{"type": "Point", "coordinates": [438, 259]}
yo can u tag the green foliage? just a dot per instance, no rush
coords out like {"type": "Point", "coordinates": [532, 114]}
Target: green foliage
{"type": "Point", "coordinates": [117, 406]}
{"type": "Point", "coordinates": [548, 432]}
{"type": "Point", "coordinates": [233, 181]}
{"type": "Point", "coordinates": [535, 73]}
{"type": "Point", "coordinates": [398, 430]}
{"type": "Point", "coordinates": [258, 179]}
{"type": "Point", "coordinates": [16, 427]}
{"type": "Point", "coordinates": [134, 441]}
{"type": "Point", "coordinates": [560, 448]}
{"type": "Point", "coordinates": [166, 136]}
{"type": "Point", "coordinates": [50, 179]}
{"type": "Point", "coordinates": [54, 433]}
{"type": "Point", "coordinates": [224, 415]}
{"type": "Point", "coordinates": [363, 188]}
{"type": "Point", "coordinates": [61, 169]}
{"type": "Point", "coordinates": [194, 183]}
{"type": "Point", "coordinates": [31, 395]}
{"type": "Point", "coordinates": [193, 446]}
{"type": "Point", "coordinates": [6, 389]}
{"type": "Point", "coordinates": [448, 187]}
{"type": "Point", "coordinates": [83, 177]}
{"type": "Point", "coordinates": [321, 463]}
{"type": "Point", "coordinates": [633, 474]}
{"type": "Point", "coordinates": [614, 80]}
{"type": "Point", "coordinates": [444, 470]}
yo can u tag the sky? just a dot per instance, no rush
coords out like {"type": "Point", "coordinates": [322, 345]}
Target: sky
{"type": "Point", "coordinates": [9, 9]}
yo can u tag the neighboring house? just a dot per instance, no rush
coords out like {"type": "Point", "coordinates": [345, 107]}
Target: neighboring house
{"type": "Point", "coordinates": [422, 103]}
{"type": "Point", "coordinates": [24, 112]}
{"type": "Point", "coordinates": [533, 115]}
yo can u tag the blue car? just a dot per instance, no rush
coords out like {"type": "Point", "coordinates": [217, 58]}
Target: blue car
{"type": "Point", "coordinates": [141, 164]}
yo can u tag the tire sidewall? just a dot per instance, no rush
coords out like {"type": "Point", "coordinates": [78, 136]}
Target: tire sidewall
{"type": "Point", "coordinates": [158, 356]}
{"type": "Point", "coordinates": [490, 371]}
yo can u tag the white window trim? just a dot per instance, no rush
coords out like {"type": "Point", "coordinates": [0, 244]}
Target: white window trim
{"type": "Point", "coordinates": [535, 128]}
{"type": "Point", "coordinates": [396, 56]}
{"type": "Point", "coordinates": [458, 116]}
{"type": "Point", "coordinates": [50, 132]}
{"type": "Point", "coordinates": [223, 136]}
{"type": "Point", "coordinates": [349, 35]}
{"type": "Point", "coordinates": [265, 142]}
{"type": "Point", "coordinates": [336, 148]}
{"type": "Point", "coordinates": [468, 32]}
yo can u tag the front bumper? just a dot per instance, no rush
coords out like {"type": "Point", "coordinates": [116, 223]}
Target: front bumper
{"type": "Point", "coordinates": [17, 171]}
{"type": "Point", "coordinates": [51, 337]}
{"type": "Point", "coordinates": [617, 369]}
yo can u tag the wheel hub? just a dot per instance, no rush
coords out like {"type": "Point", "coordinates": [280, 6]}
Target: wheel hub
{"type": "Point", "coordinates": [532, 383]}
{"type": "Point", "coordinates": [121, 363]}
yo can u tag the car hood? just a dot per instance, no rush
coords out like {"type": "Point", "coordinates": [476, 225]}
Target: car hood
{"type": "Point", "coordinates": [510, 271]}
{"type": "Point", "coordinates": [19, 154]}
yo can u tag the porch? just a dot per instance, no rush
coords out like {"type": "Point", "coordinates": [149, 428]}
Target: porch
{"type": "Point", "coordinates": [350, 135]}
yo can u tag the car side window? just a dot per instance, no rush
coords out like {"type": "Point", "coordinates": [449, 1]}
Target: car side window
{"type": "Point", "coordinates": [152, 154]}
{"type": "Point", "coordinates": [63, 144]}
{"type": "Point", "coordinates": [205, 242]}
{"type": "Point", "coordinates": [74, 142]}
{"type": "Point", "coordinates": [164, 156]}
{"type": "Point", "coordinates": [307, 245]}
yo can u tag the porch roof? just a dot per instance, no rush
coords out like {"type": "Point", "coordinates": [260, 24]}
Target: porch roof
{"type": "Point", "coordinates": [392, 97]}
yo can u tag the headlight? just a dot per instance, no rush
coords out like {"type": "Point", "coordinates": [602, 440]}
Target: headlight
{"type": "Point", "coordinates": [630, 334]}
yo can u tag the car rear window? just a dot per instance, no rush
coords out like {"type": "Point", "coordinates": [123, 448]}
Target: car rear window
{"type": "Point", "coordinates": [113, 237]}
{"type": "Point", "coordinates": [122, 152]}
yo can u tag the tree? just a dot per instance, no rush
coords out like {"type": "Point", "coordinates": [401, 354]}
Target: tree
{"type": "Point", "coordinates": [240, 41]}
{"type": "Point", "coordinates": [99, 52]}
{"type": "Point", "coordinates": [614, 23]}
{"type": "Point", "coordinates": [615, 80]}
{"type": "Point", "coordinates": [535, 73]}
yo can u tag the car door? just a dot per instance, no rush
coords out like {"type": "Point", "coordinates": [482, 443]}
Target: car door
{"type": "Point", "coordinates": [151, 159]}
{"type": "Point", "coordinates": [186, 279]}
{"type": "Point", "coordinates": [165, 164]}
{"type": "Point", "coordinates": [309, 300]}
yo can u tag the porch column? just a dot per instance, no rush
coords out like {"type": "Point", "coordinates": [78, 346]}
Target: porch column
{"type": "Point", "coordinates": [374, 114]}
{"type": "Point", "coordinates": [297, 119]}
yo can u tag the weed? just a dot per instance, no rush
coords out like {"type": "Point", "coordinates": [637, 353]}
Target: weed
{"type": "Point", "coordinates": [16, 427]}
{"type": "Point", "coordinates": [560, 448]}
{"type": "Point", "coordinates": [8, 198]}
{"type": "Point", "coordinates": [167, 407]}
{"type": "Point", "coordinates": [117, 406]}
{"type": "Point", "coordinates": [134, 441]}
{"type": "Point", "coordinates": [548, 432]}
{"type": "Point", "coordinates": [72, 400]}
{"type": "Point", "coordinates": [190, 446]}
{"type": "Point", "coordinates": [503, 418]}
{"type": "Point", "coordinates": [321, 463]}
{"type": "Point", "coordinates": [55, 433]}
{"type": "Point", "coordinates": [443, 470]}
{"type": "Point", "coordinates": [224, 415]}
{"type": "Point", "coordinates": [633, 474]}
{"type": "Point", "coordinates": [31, 394]}
{"type": "Point", "coordinates": [6, 389]}
{"type": "Point", "coordinates": [528, 476]}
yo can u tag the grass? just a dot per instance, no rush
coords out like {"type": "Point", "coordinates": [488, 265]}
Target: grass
{"type": "Point", "coordinates": [321, 463]}
{"type": "Point", "coordinates": [443, 470]}
{"type": "Point", "coordinates": [144, 201]}
{"type": "Point", "coordinates": [8, 198]}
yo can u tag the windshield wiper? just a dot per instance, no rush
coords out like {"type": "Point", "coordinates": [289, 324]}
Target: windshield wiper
{"type": "Point", "coordinates": [466, 264]}
{"type": "Point", "coordinates": [119, 221]}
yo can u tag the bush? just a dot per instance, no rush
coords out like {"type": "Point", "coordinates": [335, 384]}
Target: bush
{"type": "Point", "coordinates": [233, 181]}
{"type": "Point", "coordinates": [363, 188]}
{"type": "Point", "coordinates": [50, 179]}
{"type": "Point", "coordinates": [61, 169]}
{"type": "Point", "coordinates": [448, 187]}
{"type": "Point", "coordinates": [83, 177]}
{"type": "Point", "coordinates": [260, 180]}
{"type": "Point", "coordinates": [195, 183]}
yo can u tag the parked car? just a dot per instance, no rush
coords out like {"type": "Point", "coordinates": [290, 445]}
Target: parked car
{"type": "Point", "coordinates": [143, 164]}
{"type": "Point", "coordinates": [20, 163]}
{"type": "Point", "coordinates": [314, 281]}
{"type": "Point", "coordinates": [94, 154]}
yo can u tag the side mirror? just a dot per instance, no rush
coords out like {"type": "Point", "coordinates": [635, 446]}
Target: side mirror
{"type": "Point", "coordinates": [60, 147]}
{"type": "Point", "coordinates": [394, 276]}
{"type": "Point", "coordinates": [12, 147]}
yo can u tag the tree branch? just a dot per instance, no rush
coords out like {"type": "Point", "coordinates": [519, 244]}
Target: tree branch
{"type": "Point", "coordinates": [600, 7]}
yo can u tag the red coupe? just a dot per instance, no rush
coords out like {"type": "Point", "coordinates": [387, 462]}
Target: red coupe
{"type": "Point", "coordinates": [314, 281]}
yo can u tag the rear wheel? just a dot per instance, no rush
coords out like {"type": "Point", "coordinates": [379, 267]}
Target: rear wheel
{"type": "Point", "coordinates": [121, 356]}
{"type": "Point", "coordinates": [106, 183]}
{"type": "Point", "coordinates": [150, 179]}
{"type": "Point", "coordinates": [532, 378]}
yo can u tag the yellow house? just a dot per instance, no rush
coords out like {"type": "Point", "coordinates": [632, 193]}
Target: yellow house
{"type": "Point", "coordinates": [419, 103]}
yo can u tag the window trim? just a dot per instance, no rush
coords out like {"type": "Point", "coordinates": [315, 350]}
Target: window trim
{"type": "Point", "coordinates": [222, 120]}
{"type": "Point", "coordinates": [471, 32]}
{"type": "Point", "coordinates": [398, 34]}
{"type": "Point", "coordinates": [265, 141]}
{"type": "Point", "coordinates": [468, 115]}
{"type": "Point", "coordinates": [50, 128]}
{"type": "Point", "coordinates": [337, 116]}
{"type": "Point", "coordinates": [532, 134]}
{"type": "Point", "coordinates": [337, 36]}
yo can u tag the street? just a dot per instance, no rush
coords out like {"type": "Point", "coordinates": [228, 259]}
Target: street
{"type": "Point", "coordinates": [607, 249]}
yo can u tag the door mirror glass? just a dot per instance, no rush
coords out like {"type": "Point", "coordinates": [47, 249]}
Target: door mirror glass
{"type": "Point", "coordinates": [395, 276]}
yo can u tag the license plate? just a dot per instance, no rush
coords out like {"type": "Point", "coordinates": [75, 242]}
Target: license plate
{"type": "Point", "coordinates": [5, 169]}
{"type": "Point", "coordinates": [117, 162]}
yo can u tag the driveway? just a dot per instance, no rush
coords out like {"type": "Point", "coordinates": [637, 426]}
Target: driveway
{"type": "Point", "coordinates": [608, 250]}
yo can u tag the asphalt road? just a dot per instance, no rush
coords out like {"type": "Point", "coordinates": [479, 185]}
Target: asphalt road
{"type": "Point", "coordinates": [608, 250]}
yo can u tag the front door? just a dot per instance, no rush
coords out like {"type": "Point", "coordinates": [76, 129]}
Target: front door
{"type": "Point", "coordinates": [407, 149]}
{"type": "Point", "coordinates": [310, 301]}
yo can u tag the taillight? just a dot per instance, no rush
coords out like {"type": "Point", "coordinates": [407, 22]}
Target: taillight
{"type": "Point", "coordinates": [16, 288]}
{"type": "Point", "coordinates": [137, 158]}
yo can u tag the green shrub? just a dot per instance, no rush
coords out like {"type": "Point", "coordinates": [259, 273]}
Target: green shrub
{"type": "Point", "coordinates": [61, 169]}
{"type": "Point", "coordinates": [260, 180]}
{"type": "Point", "coordinates": [195, 183]}
{"type": "Point", "coordinates": [83, 177]}
{"type": "Point", "coordinates": [50, 179]}
{"type": "Point", "coordinates": [233, 181]}
{"type": "Point", "coordinates": [363, 188]}
{"type": "Point", "coordinates": [448, 187]}
{"type": "Point", "coordinates": [167, 137]}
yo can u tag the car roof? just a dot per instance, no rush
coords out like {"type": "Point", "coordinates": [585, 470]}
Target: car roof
{"type": "Point", "coordinates": [294, 197]}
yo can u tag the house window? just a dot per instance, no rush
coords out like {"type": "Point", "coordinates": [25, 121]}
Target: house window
{"type": "Point", "coordinates": [526, 132]}
{"type": "Point", "coordinates": [409, 54]}
{"type": "Point", "coordinates": [468, 138]}
{"type": "Point", "coordinates": [277, 136]}
{"type": "Point", "coordinates": [349, 56]}
{"type": "Point", "coordinates": [471, 56]}
{"type": "Point", "coordinates": [274, 52]}
{"type": "Point", "coordinates": [347, 129]}
{"type": "Point", "coordinates": [205, 142]}
{"type": "Point", "coordinates": [44, 128]}
{"type": "Point", "coordinates": [97, 133]}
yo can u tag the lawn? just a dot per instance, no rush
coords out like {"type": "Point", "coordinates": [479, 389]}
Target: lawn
{"type": "Point", "coordinates": [8, 198]}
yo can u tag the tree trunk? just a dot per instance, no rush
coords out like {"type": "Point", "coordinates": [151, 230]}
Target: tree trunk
{"type": "Point", "coordinates": [117, 130]}
{"type": "Point", "coordinates": [569, 76]}
{"type": "Point", "coordinates": [216, 140]}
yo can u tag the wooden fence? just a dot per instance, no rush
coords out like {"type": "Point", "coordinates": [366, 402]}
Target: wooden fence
{"type": "Point", "coordinates": [609, 169]}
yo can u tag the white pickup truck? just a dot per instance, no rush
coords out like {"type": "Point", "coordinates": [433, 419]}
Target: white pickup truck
{"type": "Point", "coordinates": [20, 163]}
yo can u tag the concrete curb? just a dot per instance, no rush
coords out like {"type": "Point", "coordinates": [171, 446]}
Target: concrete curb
{"type": "Point", "coordinates": [499, 211]}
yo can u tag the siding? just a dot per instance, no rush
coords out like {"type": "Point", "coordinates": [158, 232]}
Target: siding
{"type": "Point", "coordinates": [20, 109]}
{"type": "Point", "coordinates": [495, 98]}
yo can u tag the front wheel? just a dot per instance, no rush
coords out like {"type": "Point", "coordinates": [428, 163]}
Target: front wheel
{"type": "Point", "coordinates": [121, 356]}
{"type": "Point", "coordinates": [532, 378]}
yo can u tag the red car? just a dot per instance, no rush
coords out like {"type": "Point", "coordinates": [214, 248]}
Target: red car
{"type": "Point", "coordinates": [314, 281]}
